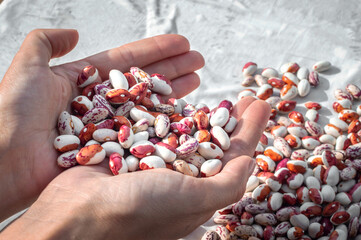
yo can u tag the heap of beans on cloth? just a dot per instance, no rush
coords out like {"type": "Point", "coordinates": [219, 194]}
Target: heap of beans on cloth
{"type": "Point", "coordinates": [306, 184]}
{"type": "Point", "coordinates": [126, 119]}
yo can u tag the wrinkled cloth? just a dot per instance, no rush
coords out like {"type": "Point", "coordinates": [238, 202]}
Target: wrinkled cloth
{"type": "Point", "coordinates": [228, 33]}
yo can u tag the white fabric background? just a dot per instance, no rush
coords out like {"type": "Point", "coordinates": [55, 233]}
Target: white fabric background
{"type": "Point", "coordinates": [228, 33]}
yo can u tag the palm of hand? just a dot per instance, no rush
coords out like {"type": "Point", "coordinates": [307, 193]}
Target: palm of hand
{"type": "Point", "coordinates": [161, 202]}
{"type": "Point", "coordinates": [31, 153]}
{"type": "Point", "coordinates": [138, 199]}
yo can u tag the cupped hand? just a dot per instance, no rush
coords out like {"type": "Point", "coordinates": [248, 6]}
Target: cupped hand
{"type": "Point", "coordinates": [32, 95]}
{"type": "Point", "coordinates": [87, 202]}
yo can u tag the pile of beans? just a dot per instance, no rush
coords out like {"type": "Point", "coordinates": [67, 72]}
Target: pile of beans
{"type": "Point", "coordinates": [127, 120]}
{"type": "Point", "coordinates": [306, 184]}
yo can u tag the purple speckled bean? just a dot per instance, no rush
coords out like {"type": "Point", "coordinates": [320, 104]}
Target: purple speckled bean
{"type": "Point", "coordinates": [162, 125]}
{"type": "Point", "coordinates": [354, 151]}
{"type": "Point", "coordinates": [222, 232]}
{"type": "Point", "coordinates": [101, 89]}
{"type": "Point", "coordinates": [95, 115]}
{"type": "Point", "coordinates": [164, 108]}
{"type": "Point", "coordinates": [313, 79]}
{"type": "Point", "coordinates": [348, 173]}
{"type": "Point", "coordinates": [356, 164]}
{"type": "Point", "coordinates": [282, 145]}
{"type": "Point", "coordinates": [183, 138]}
{"type": "Point", "coordinates": [245, 231]}
{"type": "Point", "coordinates": [320, 149]}
{"type": "Point", "coordinates": [107, 83]}
{"type": "Point", "coordinates": [65, 124]}
{"type": "Point", "coordinates": [340, 95]}
{"type": "Point", "coordinates": [354, 90]}
{"type": "Point", "coordinates": [224, 219]}
{"type": "Point", "coordinates": [238, 208]}
{"type": "Point", "coordinates": [189, 110]}
{"type": "Point", "coordinates": [187, 148]}
{"type": "Point", "coordinates": [282, 228]}
{"type": "Point", "coordinates": [283, 214]}
{"type": "Point", "coordinates": [100, 101]}
{"type": "Point", "coordinates": [142, 76]}
{"type": "Point", "coordinates": [179, 128]}
{"type": "Point", "coordinates": [196, 159]}
{"type": "Point", "coordinates": [141, 125]}
{"type": "Point", "coordinates": [247, 200]}
{"type": "Point", "coordinates": [300, 154]}
{"type": "Point", "coordinates": [313, 128]}
{"type": "Point", "coordinates": [68, 159]}
{"type": "Point", "coordinates": [210, 235]}
{"type": "Point", "coordinates": [124, 109]}
{"type": "Point", "coordinates": [266, 219]}
{"type": "Point", "coordinates": [255, 209]}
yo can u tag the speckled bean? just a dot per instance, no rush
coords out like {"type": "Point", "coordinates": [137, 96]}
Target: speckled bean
{"type": "Point", "coordinates": [182, 167]}
{"type": "Point", "coordinates": [161, 84]}
{"type": "Point", "coordinates": [117, 164]}
{"type": "Point", "coordinates": [211, 167]}
{"type": "Point", "coordinates": [187, 148]}
{"type": "Point", "coordinates": [210, 150]}
{"type": "Point", "coordinates": [67, 159]}
{"type": "Point", "coordinates": [88, 75]}
{"type": "Point", "coordinates": [65, 124]}
{"type": "Point", "coordinates": [89, 155]}
{"type": "Point", "coordinates": [104, 135]}
{"type": "Point", "coordinates": [266, 219]}
{"type": "Point", "coordinates": [125, 136]}
{"type": "Point", "coordinates": [321, 66]}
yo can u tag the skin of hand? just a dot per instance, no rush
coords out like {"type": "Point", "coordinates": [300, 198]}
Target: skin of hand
{"type": "Point", "coordinates": [87, 201]}
{"type": "Point", "coordinates": [32, 95]}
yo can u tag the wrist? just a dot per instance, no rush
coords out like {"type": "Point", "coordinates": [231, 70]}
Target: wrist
{"type": "Point", "coordinates": [9, 195]}
{"type": "Point", "coordinates": [66, 216]}
{"type": "Point", "coordinates": [16, 169]}
{"type": "Point", "coordinates": [14, 197]}
{"type": "Point", "coordinates": [45, 220]}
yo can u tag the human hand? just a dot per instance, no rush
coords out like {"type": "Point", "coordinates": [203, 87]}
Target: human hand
{"type": "Point", "coordinates": [86, 202]}
{"type": "Point", "coordinates": [32, 95]}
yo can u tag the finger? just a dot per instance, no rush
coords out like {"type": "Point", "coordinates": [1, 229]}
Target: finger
{"type": "Point", "coordinates": [138, 54]}
{"type": "Point", "coordinates": [41, 45]}
{"type": "Point", "coordinates": [177, 66]}
{"type": "Point", "coordinates": [229, 185]}
{"type": "Point", "coordinates": [184, 85]}
{"type": "Point", "coordinates": [250, 127]}
{"type": "Point", "coordinates": [241, 106]}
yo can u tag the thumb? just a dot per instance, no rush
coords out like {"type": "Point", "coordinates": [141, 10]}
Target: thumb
{"type": "Point", "coordinates": [41, 45]}
{"type": "Point", "coordinates": [229, 185]}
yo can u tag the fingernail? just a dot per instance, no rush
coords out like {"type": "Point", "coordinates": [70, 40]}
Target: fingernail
{"type": "Point", "coordinates": [251, 166]}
